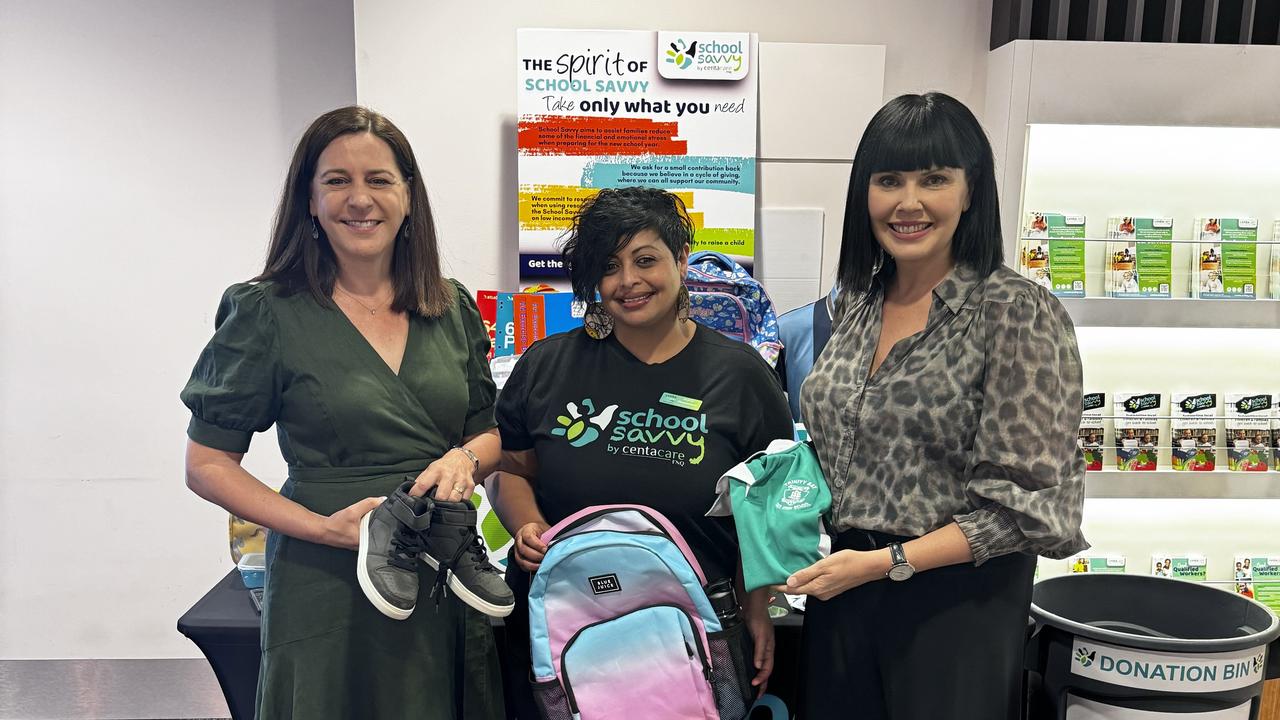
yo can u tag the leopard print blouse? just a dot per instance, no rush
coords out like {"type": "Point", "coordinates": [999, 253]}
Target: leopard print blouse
{"type": "Point", "coordinates": [971, 420]}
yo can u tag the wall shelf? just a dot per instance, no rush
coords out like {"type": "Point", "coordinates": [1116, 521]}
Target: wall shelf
{"type": "Point", "coordinates": [1174, 484]}
{"type": "Point", "coordinates": [1173, 312]}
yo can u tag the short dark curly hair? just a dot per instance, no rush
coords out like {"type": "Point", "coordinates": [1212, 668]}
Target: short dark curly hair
{"type": "Point", "coordinates": [608, 220]}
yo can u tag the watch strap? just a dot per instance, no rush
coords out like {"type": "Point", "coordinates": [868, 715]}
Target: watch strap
{"type": "Point", "coordinates": [896, 554]}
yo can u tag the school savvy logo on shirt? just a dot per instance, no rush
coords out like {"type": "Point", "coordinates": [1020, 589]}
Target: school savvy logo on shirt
{"type": "Point", "coordinates": [576, 427]}
{"type": "Point", "coordinates": [677, 436]}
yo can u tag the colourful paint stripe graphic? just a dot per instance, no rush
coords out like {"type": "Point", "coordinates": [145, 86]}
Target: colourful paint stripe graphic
{"type": "Point", "coordinates": [580, 135]}
{"type": "Point", "coordinates": [732, 174]}
{"type": "Point", "coordinates": [552, 207]}
{"type": "Point", "coordinates": [730, 241]}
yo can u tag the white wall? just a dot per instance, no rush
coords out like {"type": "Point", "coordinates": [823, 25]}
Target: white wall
{"type": "Point", "coordinates": [445, 72]}
{"type": "Point", "coordinates": [142, 147]}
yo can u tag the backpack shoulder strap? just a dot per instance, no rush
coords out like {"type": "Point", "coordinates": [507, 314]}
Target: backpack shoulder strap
{"type": "Point", "coordinates": [821, 327]}
{"type": "Point", "coordinates": [719, 259]}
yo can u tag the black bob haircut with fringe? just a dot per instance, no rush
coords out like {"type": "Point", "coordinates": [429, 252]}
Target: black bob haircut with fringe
{"type": "Point", "coordinates": [609, 220]}
{"type": "Point", "coordinates": [922, 132]}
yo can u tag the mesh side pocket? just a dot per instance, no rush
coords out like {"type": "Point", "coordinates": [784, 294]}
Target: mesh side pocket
{"type": "Point", "coordinates": [552, 704]}
{"type": "Point", "coordinates": [731, 671]}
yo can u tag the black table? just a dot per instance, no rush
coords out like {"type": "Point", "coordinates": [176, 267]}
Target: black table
{"type": "Point", "coordinates": [225, 626]}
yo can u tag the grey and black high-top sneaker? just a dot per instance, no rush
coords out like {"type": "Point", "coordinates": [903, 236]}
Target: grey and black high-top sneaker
{"type": "Point", "coordinates": [391, 537]}
{"type": "Point", "coordinates": [456, 552]}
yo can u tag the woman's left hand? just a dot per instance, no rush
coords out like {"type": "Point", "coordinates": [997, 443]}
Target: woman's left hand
{"type": "Point", "coordinates": [840, 571]}
{"type": "Point", "coordinates": [453, 473]}
{"type": "Point", "coordinates": [760, 627]}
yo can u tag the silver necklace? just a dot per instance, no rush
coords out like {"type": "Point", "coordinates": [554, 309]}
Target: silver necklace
{"type": "Point", "coordinates": [372, 310]}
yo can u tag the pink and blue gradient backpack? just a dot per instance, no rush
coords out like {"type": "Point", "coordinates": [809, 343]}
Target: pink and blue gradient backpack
{"type": "Point", "coordinates": [621, 628]}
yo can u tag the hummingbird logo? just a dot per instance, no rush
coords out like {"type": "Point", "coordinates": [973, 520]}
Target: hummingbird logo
{"type": "Point", "coordinates": [583, 428]}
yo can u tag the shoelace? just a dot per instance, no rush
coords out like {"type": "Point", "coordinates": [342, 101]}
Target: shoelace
{"type": "Point", "coordinates": [479, 556]}
{"type": "Point", "coordinates": [405, 546]}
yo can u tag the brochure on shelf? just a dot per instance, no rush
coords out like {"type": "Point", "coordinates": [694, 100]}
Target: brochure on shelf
{"type": "Point", "coordinates": [1248, 424]}
{"type": "Point", "coordinates": [1273, 275]}
{"type": "Point", "coordinates": [1141, 257]}
{"type": "Point", "coordinates": [1053, 252]}
{"type": "Point", "coordinates": [1097, 564]}
{"type": "Point", "coordinates": [1191, 566]}
{"type": "Point", "coordinates": [1137, 422]}
{"type": "Point", "coordinates": [1193, 426]}
{"type": "Point", "coordinates": [1227, 258]}
{"type": "Point", "coordinates": [1258, 577]}
{"type": "Point", "coordinates": [1092, 431]}
{"type": "Point", "coordinates": [1275, 431]}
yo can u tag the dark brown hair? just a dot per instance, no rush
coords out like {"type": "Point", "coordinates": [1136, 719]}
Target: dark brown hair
{"type": "Point", "coordinates": [300, 262]}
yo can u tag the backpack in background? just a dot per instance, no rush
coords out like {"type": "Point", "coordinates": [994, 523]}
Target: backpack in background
{"type": "Point", "coordinates": [621, 628]}
{"type": "Point", "coordinates": [724, 297]}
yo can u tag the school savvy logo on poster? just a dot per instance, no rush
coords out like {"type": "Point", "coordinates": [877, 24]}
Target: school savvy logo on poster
{"type": "Point", "coordinates": [704, 56]}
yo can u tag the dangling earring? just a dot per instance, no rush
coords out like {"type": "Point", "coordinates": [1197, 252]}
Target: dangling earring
{"type": "Point", "coordinates": [682, 303]}
{"type": "Point", "coordinates": [599, 324]}
{"type": "Point", "coordinates": [315, 231]}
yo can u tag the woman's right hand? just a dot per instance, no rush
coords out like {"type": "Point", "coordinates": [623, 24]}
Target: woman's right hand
{"type": "Point", "coordinates": [342, 529]}
{"type": "Point", "coordinates": [529, 546]}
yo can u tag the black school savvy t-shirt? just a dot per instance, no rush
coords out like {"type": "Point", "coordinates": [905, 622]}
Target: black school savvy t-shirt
{"type": "Point", "coordinates": [607, 428]}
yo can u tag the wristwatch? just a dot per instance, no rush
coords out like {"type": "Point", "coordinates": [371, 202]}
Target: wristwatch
{"type": "Point", "coordinates": [900, 569]}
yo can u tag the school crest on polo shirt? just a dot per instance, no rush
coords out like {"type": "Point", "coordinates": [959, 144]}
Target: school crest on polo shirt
{"type": "Point", "coordinates": [797, 494]}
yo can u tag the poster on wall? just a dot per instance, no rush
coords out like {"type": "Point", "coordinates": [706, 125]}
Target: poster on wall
{"type": "Point", "coordinates": [611, 108]}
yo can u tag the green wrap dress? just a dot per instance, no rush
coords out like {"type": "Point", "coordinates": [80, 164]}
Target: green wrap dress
{"type": "Point", "coordinates": [349, 428]}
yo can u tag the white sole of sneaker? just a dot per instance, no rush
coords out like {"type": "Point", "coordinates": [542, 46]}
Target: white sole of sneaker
{"type": "Point", "coordinates": [366, 583]}
{"type": "Point", "coordinates": [466, 595]}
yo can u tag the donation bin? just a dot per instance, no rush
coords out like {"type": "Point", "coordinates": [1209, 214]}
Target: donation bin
{"type": "Point", "coordinates": [1145, 648]}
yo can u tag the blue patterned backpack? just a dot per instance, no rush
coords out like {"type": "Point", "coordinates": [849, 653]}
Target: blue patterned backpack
{"type": "Point", "coordinates": [724, 297]}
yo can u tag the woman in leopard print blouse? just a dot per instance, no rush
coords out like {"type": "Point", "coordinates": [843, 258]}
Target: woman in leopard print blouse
{"type": "Point", "coordinates": [944, 410]}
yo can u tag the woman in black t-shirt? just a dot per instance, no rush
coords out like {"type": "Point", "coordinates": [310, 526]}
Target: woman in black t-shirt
{"type": "Point", "coordinates": [640, 406]}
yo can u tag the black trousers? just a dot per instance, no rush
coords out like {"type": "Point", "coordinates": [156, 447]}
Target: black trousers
{"type": "Point", "coordinates": [517, 668]}
{"type": "Point", "coordinates": [947, 644]}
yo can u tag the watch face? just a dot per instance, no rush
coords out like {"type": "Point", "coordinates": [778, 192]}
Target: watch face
{"type": "Point", "coordinates": [901, 572]}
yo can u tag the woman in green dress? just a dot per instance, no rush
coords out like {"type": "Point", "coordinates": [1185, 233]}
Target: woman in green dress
{"type": "Point", "coordinates": [371, 365]}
